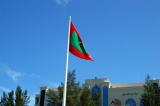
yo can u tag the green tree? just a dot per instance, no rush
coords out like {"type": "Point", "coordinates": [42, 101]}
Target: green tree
{"type": "Point", "coordinates": [151, 94]}
{"type": "Point", "coordinates": [17, 98]}
{"type": "Point", "coordinates": [10, 99]}
{"type": "Point", "coordinates": [76, 96]}
{"type": "Point", "coordinates": [3, 101]}
{"type": "Point", "coordinates": [7, 99]}
{"type": "Point", "coordinates": [97, 99]}
{"type": "Point", "coordinates": [53, 97]}
{"type": "Point", "coordinates": [21, 98]}
{"type": "Point", "coordinates": [73, 92]}
{"type": "Point", "coordinates": [86, 98]}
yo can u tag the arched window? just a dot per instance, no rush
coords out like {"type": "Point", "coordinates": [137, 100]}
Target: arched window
{"type": "Point", "coordinates": [105, 96]}
{"type": "Point", "coordinates": [96, 90]}
{"type": "Point", "coordinates": [130, 102]}
{"type": "Point", "coordinates": [96, 95]}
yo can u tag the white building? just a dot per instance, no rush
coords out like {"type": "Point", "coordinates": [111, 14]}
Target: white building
{"type": "Point", "coordinates": [116, 94]}
{"type": "Point", "coordinates": [110, 94]}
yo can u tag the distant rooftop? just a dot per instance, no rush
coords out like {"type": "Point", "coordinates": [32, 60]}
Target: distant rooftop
{"type": "Point", "coordinates": [126, 85]}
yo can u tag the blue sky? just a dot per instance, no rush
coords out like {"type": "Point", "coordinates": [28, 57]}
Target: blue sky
{"type": "Point", "coordinates": [123, 37]}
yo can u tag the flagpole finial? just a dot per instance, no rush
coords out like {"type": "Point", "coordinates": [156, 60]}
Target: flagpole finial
{"type": "Point", "coordinates": [69, 17]}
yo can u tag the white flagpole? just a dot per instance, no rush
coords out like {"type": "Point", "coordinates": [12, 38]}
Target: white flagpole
{"type": "Point", "coordinates": [66, 71]}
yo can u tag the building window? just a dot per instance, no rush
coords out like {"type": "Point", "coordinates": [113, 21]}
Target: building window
{"type": "Point", "coordinates": [130, 102]}
{"type": "Point", "coordinates": [105, 96]}
{"type": "Point", "coordinates": [96, 95]}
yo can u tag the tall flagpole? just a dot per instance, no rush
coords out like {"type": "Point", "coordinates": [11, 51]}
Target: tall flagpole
{"type": "Point", "coordinates": [66, 71]}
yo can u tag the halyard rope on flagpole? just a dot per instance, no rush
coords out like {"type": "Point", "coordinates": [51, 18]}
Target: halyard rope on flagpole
{"type": "Point", "coordinates": [66, 71]}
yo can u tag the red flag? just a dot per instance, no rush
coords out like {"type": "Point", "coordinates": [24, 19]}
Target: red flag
{"type": "Point", "coordinates": [76, 46]}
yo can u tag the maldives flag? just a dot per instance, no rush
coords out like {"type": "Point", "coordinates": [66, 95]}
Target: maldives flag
{"type": "Point", "coordinates": [76, 45]}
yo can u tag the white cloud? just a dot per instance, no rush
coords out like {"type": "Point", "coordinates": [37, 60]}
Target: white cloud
{"type": "Point", "coordinates": [14, 75]}
{"type": "Point", "coordinates": [58, 2]}
{"type": "Point", "coordinates": [63, 2]}
{"type": "Point", "coordinates": [4, 89]}
{"type": "Point", "coordinates": [67, 1]}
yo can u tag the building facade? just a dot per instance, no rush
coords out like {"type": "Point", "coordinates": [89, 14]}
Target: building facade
{"type": "Point", "coordinates": [116, 94]}
{"type": "Point", "coordinates": [110, 94]}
